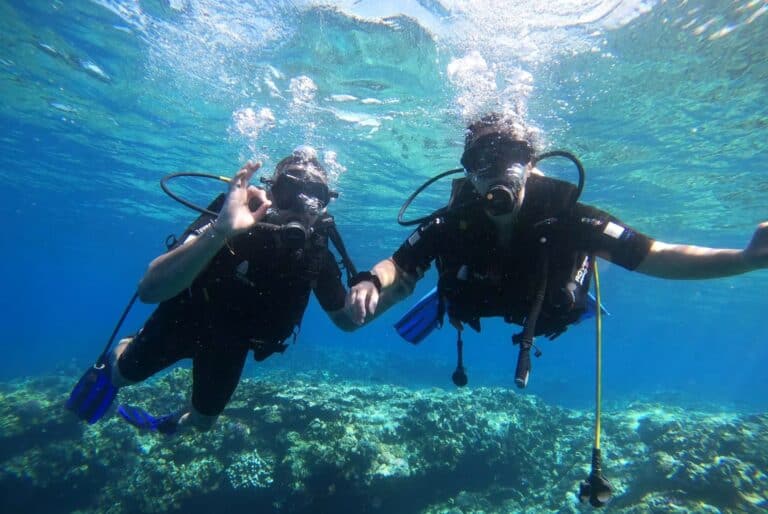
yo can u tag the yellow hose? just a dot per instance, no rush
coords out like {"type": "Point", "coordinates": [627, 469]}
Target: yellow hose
{"type": "Point", "coordinates": [599, 342]}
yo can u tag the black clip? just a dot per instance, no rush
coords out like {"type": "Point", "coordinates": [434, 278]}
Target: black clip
{"type": "Point", "coordinates": [595, 488]}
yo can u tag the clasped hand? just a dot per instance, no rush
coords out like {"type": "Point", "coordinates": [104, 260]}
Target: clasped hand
{"type": "Point", "coordinates": [361, 301]}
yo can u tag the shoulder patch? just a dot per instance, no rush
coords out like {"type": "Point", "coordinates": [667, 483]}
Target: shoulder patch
{"type": "Point", "coordinates": [613, 230]}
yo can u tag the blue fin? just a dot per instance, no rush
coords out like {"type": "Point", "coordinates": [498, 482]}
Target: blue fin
{"type": "Point", "coordinates": [141, 419]}
{"type": "Point", "coordinates": [592, 309]}
{"type": "Point", "coordinates": [421, 319]}
{"type": "Point", "coordinates": [93, 394]}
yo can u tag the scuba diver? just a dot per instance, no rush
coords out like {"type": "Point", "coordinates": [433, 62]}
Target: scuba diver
{"type": "Point", "coordinates": [516, 244]}
{"type": "Point", "coordinates": [238, 280]}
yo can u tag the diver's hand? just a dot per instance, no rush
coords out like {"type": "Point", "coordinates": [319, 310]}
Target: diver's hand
{"type": "Point", "coordinates": [235, 215]}
{"type": "Point", "coordinates": [361, 301]}
{"type": "Point", "coordinates": [756, 252]}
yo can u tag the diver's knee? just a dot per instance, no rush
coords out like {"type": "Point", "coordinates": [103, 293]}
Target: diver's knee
{"type": "Point", "coordinates": [118, 380]}
{"type": "Point", "coordinates": [198, 421]}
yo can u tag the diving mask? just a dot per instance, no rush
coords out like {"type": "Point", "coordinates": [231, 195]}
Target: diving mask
{"type": "Point", "coordinates": [299, 183]}
{"type": "Point", "coordinates": [293, 190]}
{"type": "Point", "coordinates": [492, 154]}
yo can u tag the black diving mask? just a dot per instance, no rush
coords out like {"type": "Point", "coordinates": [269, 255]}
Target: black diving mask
{"type": "Point", "coordinates": [497, 167]}
{"type": "Point", "coordinates": [492, 154]}
{"type": "Point", "coordinates": [292, 190]}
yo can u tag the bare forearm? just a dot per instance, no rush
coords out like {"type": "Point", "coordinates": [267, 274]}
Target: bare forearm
{"type": "Point", "coordinates": [692, 262]}
{"type": "Point", "coordinates": [395, 284]}
{"type": "Point", "coordinates": [174, 271]}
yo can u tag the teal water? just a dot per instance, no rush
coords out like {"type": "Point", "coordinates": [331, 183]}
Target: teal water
{"type": "Point", "coordinates": [664, 102]}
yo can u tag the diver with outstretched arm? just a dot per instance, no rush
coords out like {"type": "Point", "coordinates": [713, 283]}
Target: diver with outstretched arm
{"type": "Point", "coordinates": [515, 244]}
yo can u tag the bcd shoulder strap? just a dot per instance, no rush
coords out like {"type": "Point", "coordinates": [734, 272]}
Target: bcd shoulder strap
{"type": "Point", "coordinates": [172, 241]}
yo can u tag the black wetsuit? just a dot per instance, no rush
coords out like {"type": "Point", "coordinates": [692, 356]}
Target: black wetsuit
{"type": "Point", "coordinates": [479, 279]}
{"type": "Point", "coordinates": [251, 296]}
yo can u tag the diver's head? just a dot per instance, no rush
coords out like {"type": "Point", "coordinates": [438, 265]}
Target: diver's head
{"type": "Point", "coordinates": [497, 159]}
{"type": "Point", "coordinates": [300, 184]}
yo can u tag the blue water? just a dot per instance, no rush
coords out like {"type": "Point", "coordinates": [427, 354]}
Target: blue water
{"type": "Point", "coordinates": [664, 102]}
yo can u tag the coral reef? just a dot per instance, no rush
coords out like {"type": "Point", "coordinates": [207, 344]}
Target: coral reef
{"type": "Point", "coordinates": [315, 444]}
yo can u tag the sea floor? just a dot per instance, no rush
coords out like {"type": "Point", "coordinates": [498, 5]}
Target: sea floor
{"type": "Point", "coordinates": [310, 442]}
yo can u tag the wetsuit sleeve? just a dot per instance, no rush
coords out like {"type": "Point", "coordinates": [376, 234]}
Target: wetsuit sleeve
{"type": "Point", "coordinates": [329, 289]}
{"type": "Point", "coordinates": [418, 251]}
{"type": "Point", "coordinates": [596, 231]}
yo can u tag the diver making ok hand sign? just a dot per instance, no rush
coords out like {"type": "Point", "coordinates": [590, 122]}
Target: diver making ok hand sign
{"type": "Point", "coordinates": [238, 280]}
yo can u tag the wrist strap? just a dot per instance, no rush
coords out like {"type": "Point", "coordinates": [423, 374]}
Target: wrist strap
{"type": "Point", "coordinates": [365, 276]}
